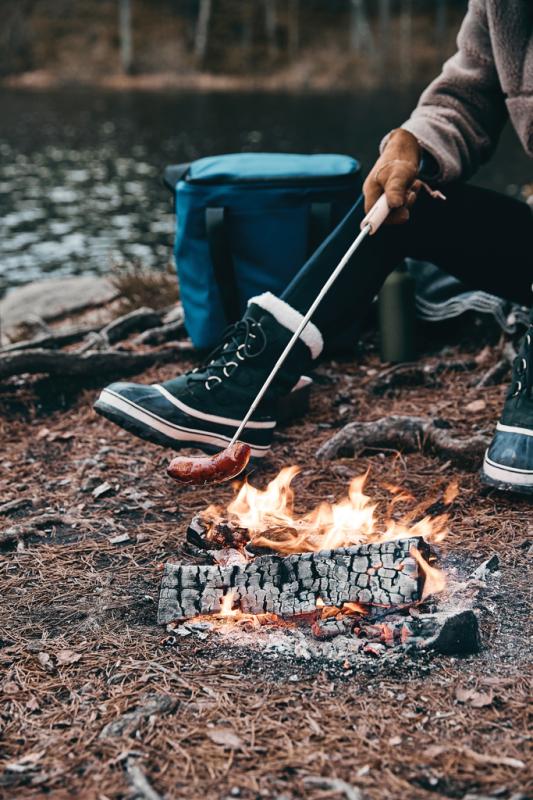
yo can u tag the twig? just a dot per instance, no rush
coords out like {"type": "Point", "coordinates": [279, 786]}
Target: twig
{"type": "Point", "coordinates": [334, 784]}
{"type": "Point", "coordinates": [404, 433]}
{"type": "Point", "coordinates": [499, 371]}
{"type": "Point", "coordinates": [139, 782]}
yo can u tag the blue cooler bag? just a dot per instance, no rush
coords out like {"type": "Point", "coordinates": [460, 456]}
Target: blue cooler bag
{"type": "Point", "coordinates": [246, 223]}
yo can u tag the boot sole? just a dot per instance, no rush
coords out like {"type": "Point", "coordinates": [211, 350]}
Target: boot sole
{"type": "Point", "coordinates": [150, 427]}
{"type": "Point", "coordinates": [506, 479]}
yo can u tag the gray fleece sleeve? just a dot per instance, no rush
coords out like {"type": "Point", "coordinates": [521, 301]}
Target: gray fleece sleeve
{"type": "Point", "coordinates": [460, 116]}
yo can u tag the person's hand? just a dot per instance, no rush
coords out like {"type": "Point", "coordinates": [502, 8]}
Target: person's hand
{"type": "Point", "coordinates": [395, 173]}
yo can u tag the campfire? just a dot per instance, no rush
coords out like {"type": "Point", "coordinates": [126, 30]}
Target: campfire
{"type": "Point", "coordinates": [355, 567]}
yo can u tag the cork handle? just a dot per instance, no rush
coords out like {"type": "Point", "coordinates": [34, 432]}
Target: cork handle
{"type": "Point", "coordinates": [377, 215]}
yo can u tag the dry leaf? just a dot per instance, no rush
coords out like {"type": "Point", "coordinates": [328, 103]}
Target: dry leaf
{"type": "Point", "coordinates": [33, 704]}
{"type": "Point", "coordinates": [225, 737]}
{"type": "Point", "coordinates": [394, 741]}
{"type": "Point", "coordinates": [435, 750]}
{"type": "Point", "coordinates": [67, 657]}
{"type": "Point", "coordinates": [45, 661]}
{"type": "Point", "coordinates": [120, 539]}
{"type": "Point", "coordinates": [473, 698]}
{"type": "Point", "coordinates": [476, 405]}
{"type": "Point", "coordinates": [104, 488]}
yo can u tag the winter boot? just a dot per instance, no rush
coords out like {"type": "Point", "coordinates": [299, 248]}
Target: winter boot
{"type": "Point", "coordinates": [203, 408]}
{"type": "Point", "coordinates": [508, 463]}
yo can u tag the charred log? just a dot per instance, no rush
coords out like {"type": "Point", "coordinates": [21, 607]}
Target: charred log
{"type": "Point", "coordinates": [405, 434]}
{"type": "Point", "coordinates": [380, 574]}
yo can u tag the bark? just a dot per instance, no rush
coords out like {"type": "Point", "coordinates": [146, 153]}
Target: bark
{"type": "Point", "coordinates": [405, 434]}
{"type": "Point", "coordinates": [384, 574]}
{"type": "Point", "coordinates": [87, 365]}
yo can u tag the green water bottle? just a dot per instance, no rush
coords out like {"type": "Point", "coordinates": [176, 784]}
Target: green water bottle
{"type": "Point", "coordinates": [397, 317]}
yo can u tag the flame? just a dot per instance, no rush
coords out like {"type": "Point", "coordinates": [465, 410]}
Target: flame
{"type": "Point", "coordinates": [434, 579]}
{"type": "Point", "coordinates": [268, 515]}
{"type": "Point", "coordinates": [226, 607]}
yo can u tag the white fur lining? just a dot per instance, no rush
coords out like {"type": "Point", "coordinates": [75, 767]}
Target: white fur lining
{"type": "Point", "coordinates": [290, 319]}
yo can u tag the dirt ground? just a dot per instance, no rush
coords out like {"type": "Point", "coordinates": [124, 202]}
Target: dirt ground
{"type": "Point", "coordinates": [80, 649]}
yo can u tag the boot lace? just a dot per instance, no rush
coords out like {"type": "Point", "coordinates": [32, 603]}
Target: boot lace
{"type": "Point", "coordinates": [245, 339]}
{"type": "Point", "coordinates": [523, 368]}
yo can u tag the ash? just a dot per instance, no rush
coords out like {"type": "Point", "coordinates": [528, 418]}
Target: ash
{"type": "Point", "coordinates": [447, 624]}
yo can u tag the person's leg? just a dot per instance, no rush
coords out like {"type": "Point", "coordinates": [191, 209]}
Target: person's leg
{"type": "Point", "coordinates": [481, 237]}
{"type": "Point", "coordinates": [203, 408]}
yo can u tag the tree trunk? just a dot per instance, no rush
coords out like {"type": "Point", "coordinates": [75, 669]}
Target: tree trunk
{"type": "Point", "coordinates": [201, 39]}
{"type": "Point", "coordinates": [406, 40]}
{"type": "Point", "coordinates": [294, 29]}
{"type": "Point", "coordinates": [384, 34]}
{"type": "Point", "coordinates": [125, 35]}
{"type": "Point", "coordinates": [271, 25]}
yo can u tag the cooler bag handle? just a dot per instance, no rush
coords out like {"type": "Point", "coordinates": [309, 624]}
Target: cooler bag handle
{"type": "Point", "coordinates": [223, 268]}
{"type": "Point", "coordinates": [221, 258]}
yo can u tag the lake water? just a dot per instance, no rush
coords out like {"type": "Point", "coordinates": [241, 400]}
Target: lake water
{"type": "Point", "coordinates": [80, 171]}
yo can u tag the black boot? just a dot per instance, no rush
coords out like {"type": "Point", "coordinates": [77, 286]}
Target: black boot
{"type": "Point", "coordinates": [203, 408]}
{"type": "Point", "coordinates": [508, 462]}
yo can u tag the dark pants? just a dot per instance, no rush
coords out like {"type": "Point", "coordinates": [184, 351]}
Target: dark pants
{"type": "Point", "coordinates": [483, 238]}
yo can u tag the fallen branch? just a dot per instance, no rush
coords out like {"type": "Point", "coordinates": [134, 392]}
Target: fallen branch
{"type": "Point", "coordinates": [137, 321]}
{"type": "Point", "coordinates": [51, 341]}
{"type": "Point", "coordinates": [89, 364]}
{"type": "Point", "coordinates": [405, 434]}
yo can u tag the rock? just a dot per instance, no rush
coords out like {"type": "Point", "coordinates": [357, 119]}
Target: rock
{"type": "Point", "coordinates": [54, 298]}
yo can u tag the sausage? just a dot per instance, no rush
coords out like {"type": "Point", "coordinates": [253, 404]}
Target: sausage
{"type": "Point", "coordinates": [218, 468]}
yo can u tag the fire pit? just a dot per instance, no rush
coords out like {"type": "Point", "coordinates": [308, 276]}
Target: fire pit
{"type": "Point", "coordinates": [340, 570]}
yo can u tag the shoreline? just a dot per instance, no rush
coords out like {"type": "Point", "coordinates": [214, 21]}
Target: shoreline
{"type": "Point", "coordinates": [289, 82]}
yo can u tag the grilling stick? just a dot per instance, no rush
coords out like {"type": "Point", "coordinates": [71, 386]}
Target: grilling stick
{"type": "Point", "coordinates": [231, 461]}
{"type": "Point", "coordinates": [371, 223]}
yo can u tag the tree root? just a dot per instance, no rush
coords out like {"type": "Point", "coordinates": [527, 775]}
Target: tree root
{"type": "Point", "coordinates": [405, 433]}
{"type": "Point", "coordinates": [89, 364]}
{"type": "Point", "coordinates": [415, 374]}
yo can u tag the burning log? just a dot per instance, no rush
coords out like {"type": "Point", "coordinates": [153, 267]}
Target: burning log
{"type": "Point", "coordinates": [377, 574]}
